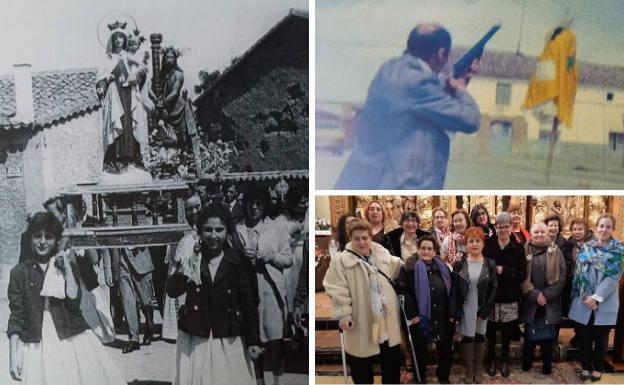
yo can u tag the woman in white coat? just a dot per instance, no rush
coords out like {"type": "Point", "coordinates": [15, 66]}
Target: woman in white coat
{"type": "Point", "coordinates": [365, 303]}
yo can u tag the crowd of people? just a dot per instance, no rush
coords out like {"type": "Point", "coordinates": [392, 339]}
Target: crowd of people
{"type": "Point", "coordinates": [234, 290]}
{"type": "Point", "coordinates": [461, 283]}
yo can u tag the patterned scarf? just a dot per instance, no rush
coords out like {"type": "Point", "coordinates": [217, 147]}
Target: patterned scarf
{"type": "Point", "coordinates": [441, 235]}
{"type": "Point", "coordinates": [607, 260]}
{"type": "Point", "coordinates": [379, 302]}
{"type": "Point", "coordinates": [454, 252]}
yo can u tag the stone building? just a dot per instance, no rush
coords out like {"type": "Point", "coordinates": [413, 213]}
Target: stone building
{"type": "Point", "coordinates": [261, 101]}
{"type": "Point", "coordinates": [50, 137]}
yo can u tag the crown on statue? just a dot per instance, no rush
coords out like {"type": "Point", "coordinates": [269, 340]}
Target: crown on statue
{"type": "Point", "coordinates": [136, 34]}
{"type": "Point", "coordinates": [117, 25]}
{"type": "Point", "coordinates": [176, 51]}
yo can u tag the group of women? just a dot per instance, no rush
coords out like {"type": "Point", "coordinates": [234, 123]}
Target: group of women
{"type": "Point", "coordinates": [232, 280]}
{"type": "Point", "coordinates": [480, 280]}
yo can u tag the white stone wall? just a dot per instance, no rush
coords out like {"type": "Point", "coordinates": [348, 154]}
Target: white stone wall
{"type": "Point", "coordinates": [594, 117]}
{"type": "Point", "coordinates": [71, 153]}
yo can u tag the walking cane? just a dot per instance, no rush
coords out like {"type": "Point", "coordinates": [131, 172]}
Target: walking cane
{"type": "Point", "coordinates": [344, 357]}
{"type": "Point", "coordinates": [409, 336]}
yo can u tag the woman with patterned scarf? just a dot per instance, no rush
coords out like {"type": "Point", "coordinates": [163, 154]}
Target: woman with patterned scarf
{"type": "Point", "coordinates": [366, 305]}
{"type": "Point", "coordinates": [453, 249]}
{"type": "Point", "coordinates": [595, 300]}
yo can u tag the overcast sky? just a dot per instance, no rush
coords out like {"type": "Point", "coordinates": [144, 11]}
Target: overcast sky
{"type": "Point", "coordinates": [353, 38]}
{"type": "Point", "coordinates": [54, 35]}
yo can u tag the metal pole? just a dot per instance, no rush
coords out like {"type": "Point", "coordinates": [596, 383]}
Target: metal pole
{"type": "Point", "coordinates": [551, 149]}
{"type": "Point", "coordinates": [409, 336]}
{"type": "Point", "coordinates": [344, 357]}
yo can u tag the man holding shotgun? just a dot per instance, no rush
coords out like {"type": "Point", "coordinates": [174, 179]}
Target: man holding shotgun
{"type": "Point", "coordinates": [402, 136]}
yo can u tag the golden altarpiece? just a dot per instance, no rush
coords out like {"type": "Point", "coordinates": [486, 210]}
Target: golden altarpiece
{"type": "Point", "coordinates": [534, 209]}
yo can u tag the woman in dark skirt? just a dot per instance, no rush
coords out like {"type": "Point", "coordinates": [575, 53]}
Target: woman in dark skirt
{"type": "Point", "coordinates": [541, 289]}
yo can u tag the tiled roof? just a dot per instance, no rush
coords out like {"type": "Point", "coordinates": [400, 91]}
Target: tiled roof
{"type": "Point", "coordinates": [508, 65]}
{"type": "Point", "coordinates": [57, 96]}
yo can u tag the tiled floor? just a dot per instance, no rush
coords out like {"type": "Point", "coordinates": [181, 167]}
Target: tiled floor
{"type": "Point", "coordinates": [323, 305]}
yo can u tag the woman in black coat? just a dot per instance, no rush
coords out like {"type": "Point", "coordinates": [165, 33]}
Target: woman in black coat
{"type": "Point", "coordinates": [401, 242]}
{"type": "Point", "coordinates": [425, 281]}
{"type": "Point", "coordinates": [220, 315]}
{"type": "Point", "coordinates": [508, 255]}
{"type": "Point", "coordinates": [479, 216]}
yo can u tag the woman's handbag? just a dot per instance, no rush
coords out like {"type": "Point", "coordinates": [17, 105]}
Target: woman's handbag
{"type": "Point", "coordinates": [539, 330]}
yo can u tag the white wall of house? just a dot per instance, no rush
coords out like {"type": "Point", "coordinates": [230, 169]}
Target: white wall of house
{"type": "Point", "coordinates": [594, 116]}
{"type": "Point", "coordinates": [61, 156]}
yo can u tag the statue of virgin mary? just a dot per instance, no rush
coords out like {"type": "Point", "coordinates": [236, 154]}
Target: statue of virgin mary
{"type": "Point", "coordinates": [124, 116]}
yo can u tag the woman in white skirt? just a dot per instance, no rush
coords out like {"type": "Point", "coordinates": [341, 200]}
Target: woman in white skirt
{"type": "Point", "coordinates": [192, 205]}
{"type": "Point", "coordinates": [49, 339]}
{"type": "Point", "coordinates": [218, 332]}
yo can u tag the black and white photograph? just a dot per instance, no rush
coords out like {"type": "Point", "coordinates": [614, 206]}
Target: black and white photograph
{"type": "Point", "coordinates": [154, 192]}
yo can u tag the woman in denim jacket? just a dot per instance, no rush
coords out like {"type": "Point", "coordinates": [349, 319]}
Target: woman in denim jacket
{"type": "Point", "coordinates": [44, 299]}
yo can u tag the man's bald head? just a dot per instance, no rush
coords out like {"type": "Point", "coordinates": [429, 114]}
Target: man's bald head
{"type": "Point", "coordinates": [425, 41]}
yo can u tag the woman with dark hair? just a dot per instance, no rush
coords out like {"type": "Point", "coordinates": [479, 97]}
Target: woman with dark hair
{"type": "Point", "coordinates": [508, 255]}
{"type": "Point", "coordinates": [453, 249]}
{"type": "Point", "coordinates": [342, 237]}
{"type": "Point", "coordinates": [541, 302]}
{"type": "Point", "coordinates": [475, 282]}
{"type": "Point", "coordinates": [57, 346]}
{"type": "Point", "coordinates": [479, 216]}
{"type": "Point", "coordinates": [581, 233]}
{"type": "Point", "coordinates": [192, 206]}
{"type": "Point", "coordinates": [218, 324]}
{"type": "Point", "coordinates": [554, 230]}
{"type": "Point", "coordinates": [266, 243]}
{"type": "Point", "coordinates": [365, 303]}
{"type": "Point", "coordinates": [425, 281]}
{"type": "Point", "coordinates": [379, 220]}
{"type": "Point", "coordinates": [595, 299]}
{"type": "Point", "coordinates": [401, 242]}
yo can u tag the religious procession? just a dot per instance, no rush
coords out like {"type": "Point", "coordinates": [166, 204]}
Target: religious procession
{"type": "Point", "coordinates": [156, 223]}
{"type": "Point", "coordinates": [464, 289]}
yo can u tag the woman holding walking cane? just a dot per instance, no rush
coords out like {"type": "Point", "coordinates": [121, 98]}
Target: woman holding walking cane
{"type": "Point", "coordinates": [425, 281]}
{"type": "Point", "coordinates": [363, 300]}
